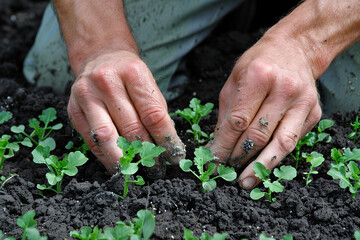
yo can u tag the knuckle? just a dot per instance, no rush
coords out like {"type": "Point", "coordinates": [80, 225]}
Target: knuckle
{"type": "Point", "coordinates": [238, 121]}
{"type": "Point", "coordinates": [287, 141]}
{"type": "Point", "coordinates": [259, 137]}
{"type": "Point", "coordinates": [102, 134]}
{"type": "Point", "coordinates": [154, 117]}
{"type": "Point", "coordinates": [81, 89]}
{"type": "Point", "coordinates": [131, 129]}
{"type": "Point", "coordinates": [104, 77]}
{"type": "Point", "coordinates": [290, 88]}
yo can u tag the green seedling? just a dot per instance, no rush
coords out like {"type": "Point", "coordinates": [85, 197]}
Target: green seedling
{"type": "Point", "coordinates": [193, 115]}
{"type": "Point", "coordinates": [202, 157]}
{"type": "Point", "coordinates": [346, 169]}
{"type": "Point", "coordinates": [315, 159]}
{"type": "Point", "coordinates": [40, 135]}
{"type": "Point", "coordinates": [28, 224]}
{"type": "Point", "coordinates": [58, 168]}
{"type": "Point", "coordinates": [188, 235]}
{"type": "Point", "coordinates": [5, 116]}
{"type": "Point", "coordinates": [286, 237]}
{"type": "Point", "coordinates": [356, 126]}
{"type": "Point", "coordinates": [83, 148]}
{"type": "Point", "coordinates": [285, 172]}
{"type": "Point", "coordinates": [357, 235]}
{"type": "Point", "coordinates": [311, 138]}
{"type": "Point", "coordinates": [142, 227]}
{"type": "Point", "coordinates": [7, 149]}
{"type": "Point", "coordinates": [146, 150]}
{"type": "Point", "coordinates": [6, 179]}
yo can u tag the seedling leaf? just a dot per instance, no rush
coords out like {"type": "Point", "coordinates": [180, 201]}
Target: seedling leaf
{"type": "Point", "coordinates": [227, 174]}
{"type": "Point", "coordinates": [48, 115]}
{"type": "Point", "coordinates": [285, 172]}
{"type": "Point", "coordinates": [185, 165]}
{"type": "Point", "coordinates": [256, 194]}
{"type": "Point", "coordinates": [5, 116]}
{"type": "Point", "coordinates": [261, 171]}
{"type": "Point", "coordinates": [148, 152]}
{"type": "Point", "coordinates": [209, 185]}
{"type": "Point", "coordinates": [324, 124]}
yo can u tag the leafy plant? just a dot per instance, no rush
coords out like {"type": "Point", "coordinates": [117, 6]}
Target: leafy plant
{"type": "Point", "coordinates": [146, 150]}
{"type": "Point", "coordinates": [345, 169]}
{"type": "Point", "coordinates": [311, 138]}
{"type": "Point", "coordinates": [285, 172]}
{"type": "Point", "coordinates": [28, 224]}
{"type": "Point", "coordinates": [58, 168]}
{"type": "Point", "coordinates": [188, 235]}
{"type": "Point", "coordinates": [6, 179]}
{"type": "Point", "coordinates": [7, 149]}
{"type": "Point", "coordinates": [5, 116]}
{"type": "Point", "coordinates": [193, 115]}
{"type": "Point", "coordinates": [142, 227]}
{"type": "Point", "coordinates": [40, 135]}
{"type": "Point", "coordinates": [315, 159]}
{"type": "Point", "coordinates": [356, 126]}
{"type": "Point", "coordinates": [202, 157]}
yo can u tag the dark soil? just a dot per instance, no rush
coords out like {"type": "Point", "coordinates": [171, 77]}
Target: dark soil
{"type": "Point", "coordinates": [321, 211]}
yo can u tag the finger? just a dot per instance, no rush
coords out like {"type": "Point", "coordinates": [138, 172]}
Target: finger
{"type": "Point", "coordinates": [152, 109]}
{"type": "Point", "coordinates": [258, 134]}
{"type": "Point", "coordinates": [102, 129]}
{"type": "Point", "coordinates": [283, 142]}
{"type": "Point", "coordinates": [249, 96]}
{"type": "Point", "coordinates": [312, 119]}
{"type": "Point", "coordinates": [81, 124]}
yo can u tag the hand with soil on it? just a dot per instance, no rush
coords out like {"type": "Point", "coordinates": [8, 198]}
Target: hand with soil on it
{"type": "Point", "coordinates": [270, 100]}
{"type": "Point", "coordinates": [114, 92]}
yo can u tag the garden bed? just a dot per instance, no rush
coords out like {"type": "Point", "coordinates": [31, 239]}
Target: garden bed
{"type": "Point", "coordinates": [321, 211]}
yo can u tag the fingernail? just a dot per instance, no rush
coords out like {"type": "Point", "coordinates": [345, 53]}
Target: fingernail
{"type": "Point", "coordinates": [248, 183]}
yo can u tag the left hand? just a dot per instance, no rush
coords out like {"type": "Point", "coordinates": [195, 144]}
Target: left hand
{"type": "Point", "coordinates": [268, 103]}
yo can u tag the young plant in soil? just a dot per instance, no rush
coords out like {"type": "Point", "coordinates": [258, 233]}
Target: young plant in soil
{"type": "Point", "coordinates": [58, 168]}
{"type": "Point", "coordinates": [40, 134]}
{"type": "Point", "coordinates": [345, 169]}
{"type": "Point", "coordinates": [193, 115]}
{"type": "Point", "coordinates": [5, 116]}
{"type": "Point", "coordinates": [315, 159]}
{"type": "Point", "coordinates": [142, 227]}
{"type": "Point", "coordinates": [286, 237]}
{"type": "Point", "coordinates": [285, 172]}
{"type": "Point", "coordinates": [83, 148]}
{"type": "Point", "coordinates": [28, 224]}
{"type": "Point", "coordinates": [356, 126]}
{"type": "Point", "coordinates": [188, 235]}
{"type": "Point", "coordinates": [202, 158]}
{"type": "Point", "coordinates": [4, 180]}
{"type": "Point", "coordinates": [311, 138]}
{"type": "Point", "coordinates": [146, 150]}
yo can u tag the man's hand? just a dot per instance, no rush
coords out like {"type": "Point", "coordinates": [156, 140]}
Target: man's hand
{"type": "Point", "coordinates": [115, 94]}
{"type": "Point", "coordinates": [270, 100]}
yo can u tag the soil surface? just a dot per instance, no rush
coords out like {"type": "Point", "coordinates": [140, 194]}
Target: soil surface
{"type": "Point", "coordinates": [321, 211]}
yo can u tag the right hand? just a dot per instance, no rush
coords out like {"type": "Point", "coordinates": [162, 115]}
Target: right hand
{"type": "Point", "coordinates": [115, 94]}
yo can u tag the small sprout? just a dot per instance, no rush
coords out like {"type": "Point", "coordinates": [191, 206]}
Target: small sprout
{"type": "Point", "coordinates": [188, 235]}
{"type": "Point", "coordinates": [142, 227]}
{"type": "Point", "coordinates": [315, 159]}
{"type": "Point", "coordinates": [193, 115]}
{"type": "Point", "coordinates": [40, 135]}
{"type": "Point", "coordinates": [202, 157]}
{"type": "Point", "coordinates": [5, 116]}
{"type": "Point", "coordinates": [285, 172]}
{"type": "Point", "coordinates": [83, 148]}
{"type": "Point", "coordinates": [58, 168]}
{"type": "Point", "coordinates": [28, 224]}
{"type": "Point", "coordinates": [6, 179]}
{"type": "Point", "coordinates": [356, 126]}
{"type": "Point", "coordinates": [147, 152]}
{"type": "Point", "coordinates": [286, 237]}
{"type": "Point", "coordinates": [357, 235]}
{"type": "Point", "coordinates": [7, 149]}
{"type": "Point", "coordinates": [311, 138]}
{"type": "Point", "coordinates": [349, 174]}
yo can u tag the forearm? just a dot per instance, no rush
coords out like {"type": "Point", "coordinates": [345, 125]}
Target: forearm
{"type": "Point", "coordinates": [92, 27]}
{"type": "Point", "coordinates": [321, 29]}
